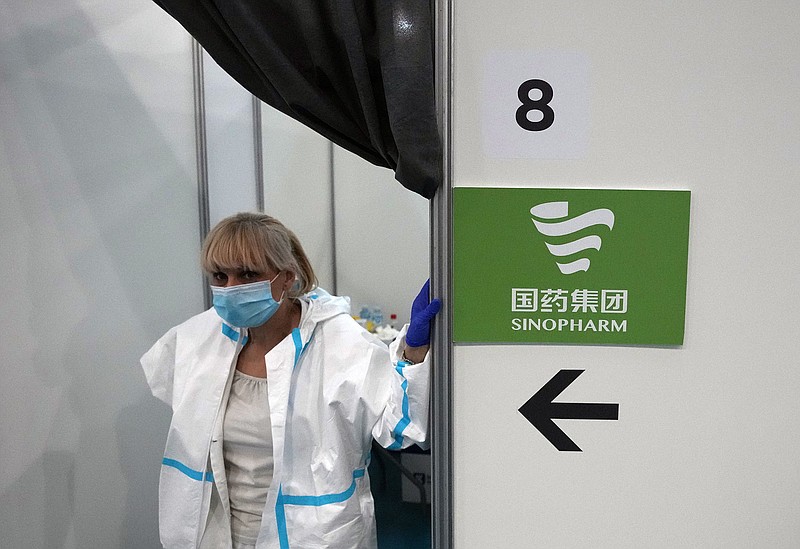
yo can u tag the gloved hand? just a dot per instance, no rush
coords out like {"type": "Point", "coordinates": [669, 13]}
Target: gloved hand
{"type": "Point", "coordinates": [423, 310]}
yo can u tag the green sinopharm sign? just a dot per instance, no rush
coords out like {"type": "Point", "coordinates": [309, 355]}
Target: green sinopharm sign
{"type": "Point", "coordinates": [569, 265]}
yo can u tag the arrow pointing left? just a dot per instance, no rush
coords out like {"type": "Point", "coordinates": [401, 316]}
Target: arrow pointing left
{"type": "Point", "coordinates": [540, 410]}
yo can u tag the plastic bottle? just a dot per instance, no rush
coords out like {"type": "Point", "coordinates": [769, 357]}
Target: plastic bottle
{"type": "Point", "coordinates": [377, 316]}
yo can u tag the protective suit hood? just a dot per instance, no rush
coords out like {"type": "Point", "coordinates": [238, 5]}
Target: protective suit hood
{"type": "Point", "coordinates": [322, 306]}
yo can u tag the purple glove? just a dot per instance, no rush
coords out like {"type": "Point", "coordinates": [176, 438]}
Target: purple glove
{"type": "Point", "coordinates": [422, 312]}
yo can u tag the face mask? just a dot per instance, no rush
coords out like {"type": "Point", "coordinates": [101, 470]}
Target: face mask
{"type": "Point", "coordinates": [246, 305]}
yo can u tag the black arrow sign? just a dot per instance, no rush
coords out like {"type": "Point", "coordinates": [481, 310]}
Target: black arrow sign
{"type": "Point", "coordinates": [540, 410]}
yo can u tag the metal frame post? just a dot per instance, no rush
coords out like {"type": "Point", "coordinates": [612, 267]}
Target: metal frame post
{"type": "Point", "coordinates": [441, 248]}
{"type": "Point", "coordinates": [201, 151]}
{"type": "Point", "coordinates": [258, 150]}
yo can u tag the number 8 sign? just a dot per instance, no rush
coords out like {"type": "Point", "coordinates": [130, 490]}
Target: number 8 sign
{"type": "Point", "coordinates": [542, 105]}
{"type": "Point", "coordinates": [535, 105]}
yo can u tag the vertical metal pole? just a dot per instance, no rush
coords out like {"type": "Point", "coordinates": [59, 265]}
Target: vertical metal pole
{"type": "Point", "coordinates": [201, 150]}
{"type": "Point", "coordinates": [258, 143]}
{"type": "Point", "coordinates": [332, 182]}
{"type": "Point", "coordinates": [441, 247]}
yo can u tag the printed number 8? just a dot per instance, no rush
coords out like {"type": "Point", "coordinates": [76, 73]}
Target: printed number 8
{"type": "Point", "coordinates": [542, 105]}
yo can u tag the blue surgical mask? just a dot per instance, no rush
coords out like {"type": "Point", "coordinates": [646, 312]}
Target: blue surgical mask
{"type": "Point", "coordinates": [246, 305]}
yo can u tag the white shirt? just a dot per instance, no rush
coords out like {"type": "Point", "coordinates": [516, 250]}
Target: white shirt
{"type": "Point", "coordinates": [247, 450]}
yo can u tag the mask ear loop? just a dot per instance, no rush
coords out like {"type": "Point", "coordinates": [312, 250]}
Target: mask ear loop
{"type": "Point", "coordinates": [283, 293]}
{"type": "Point", "coordinates": [295, 284]}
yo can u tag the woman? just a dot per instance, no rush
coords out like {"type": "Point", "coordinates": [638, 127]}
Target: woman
{"type": "Point", "coordinates": [276, 395]}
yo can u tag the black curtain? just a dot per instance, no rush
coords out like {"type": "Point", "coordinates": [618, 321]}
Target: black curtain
{"type": "Point", "coordinates": [359, 72]}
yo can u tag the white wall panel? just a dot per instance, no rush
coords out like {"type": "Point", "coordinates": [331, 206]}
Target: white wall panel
{"type": "Point", "coordinates": [98, 212]}
{"type": "Point", "coordinates": [382, 235]}
{"type": "Point", "coordinates": [230, 146]}
{"type": "Point", "coordinates": [297, 186]}
{"type": "Point", "coordinates": [683, 95]}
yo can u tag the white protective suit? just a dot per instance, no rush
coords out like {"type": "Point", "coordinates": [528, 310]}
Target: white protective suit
{"type": "Point", "coordinates": [332, 388]}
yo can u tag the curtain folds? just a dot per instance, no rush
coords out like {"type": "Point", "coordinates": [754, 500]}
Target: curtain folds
{"type": "Point", "coordinates": [359, 72]}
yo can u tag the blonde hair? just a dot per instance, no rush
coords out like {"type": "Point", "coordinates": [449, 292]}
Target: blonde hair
{"type": "Point", "coordinates": [257, 242]}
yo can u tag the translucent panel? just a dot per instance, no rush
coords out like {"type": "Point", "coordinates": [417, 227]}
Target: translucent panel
{"type": "Point", "coordinates": [382, 237]}
{"type": "Point", "coordinates": [229, 142]}
{"type": "Point", "coordinates": [297, 187]}
{"type": "Point", "coordinates": [98, 216]}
